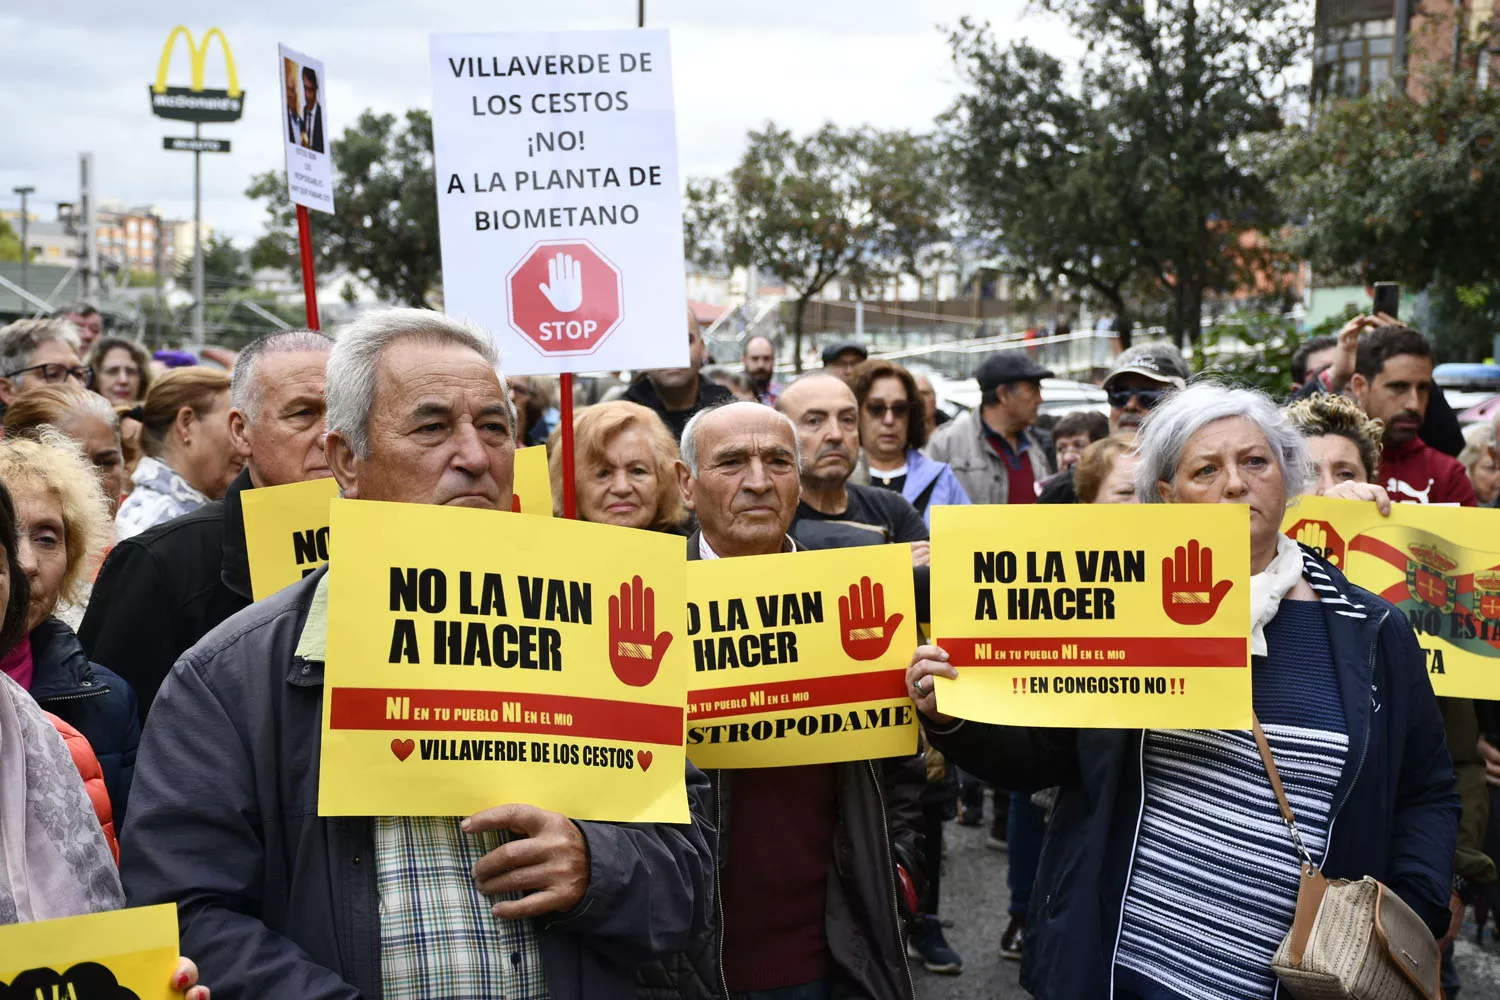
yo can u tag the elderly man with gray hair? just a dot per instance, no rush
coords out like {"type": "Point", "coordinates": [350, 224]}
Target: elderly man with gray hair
{"type": "Point", "coordinates": [1174, 824]}
{"type": "Point", "coordinates": [275, 901]}
{"type": "Point", "coordinates": [40, 352]}
{"type": "Point", "coordinates": [162, 590]}
{"type": "Point", "coordinates": [808, 857]}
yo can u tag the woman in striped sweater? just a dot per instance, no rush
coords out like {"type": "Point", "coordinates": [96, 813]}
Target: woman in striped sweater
{"type": "Point", "coordinates": [1167, 873]}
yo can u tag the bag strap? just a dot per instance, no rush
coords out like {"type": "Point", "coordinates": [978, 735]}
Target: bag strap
{"type": "Point", "coordinates": [1264, 746]}
{"type": "Point", "coordinates": [925, 497]}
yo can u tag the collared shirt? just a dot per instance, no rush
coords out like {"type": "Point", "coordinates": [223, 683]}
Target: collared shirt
{"type": "Point", "coordinates": [437, 935]}
{"type": "Point", "coordinates": [1021, 481]}
{"type": "Point", "coordinates": [706, 551]}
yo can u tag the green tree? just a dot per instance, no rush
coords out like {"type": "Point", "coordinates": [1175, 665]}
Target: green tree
{"type": "Point", "coordinates": [10, 243]}
{"type": "Point", "coordinates": [1387, 188]}
{"type": "Point", "coordinates": [858, 204]}
{"type": "Point", "coordinates": [1128, 174]}
{"type": "Point", "coordinates": [385, 226]}
{"type": "Point", "coordinates": [224, 266]}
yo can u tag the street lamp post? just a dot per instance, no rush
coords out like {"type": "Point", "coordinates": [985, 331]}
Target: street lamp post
{"type": "Point", "coordinates": [24, 191]}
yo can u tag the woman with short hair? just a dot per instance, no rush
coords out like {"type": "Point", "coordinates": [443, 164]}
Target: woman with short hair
{"type": "Point", "coordinates": [893, 430]}
{"type": "Point", "coordinates": [189, 458]}
{"type": "Point", "coordinates": [1478, 459]}
{"type": "Point", "coordinates": [1168, 871]}
{"type": "Point", "coordinates": [626, 468]}
{"type": "Point", "coordinates": [1106, 471]}
{"type": "Point", "coordinates": [84, 416]}
{"type": "Point", "coordinates": [122, 370]}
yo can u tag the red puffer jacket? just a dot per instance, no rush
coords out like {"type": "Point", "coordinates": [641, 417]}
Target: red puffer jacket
{"type": "Point", "coordinates": [93, 779]}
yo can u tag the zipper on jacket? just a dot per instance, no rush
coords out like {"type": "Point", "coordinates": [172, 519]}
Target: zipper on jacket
{"type": "Point", "coordinates": [890, 855]}
{"type": "Point", "coordinates": [74, 697]}
{"type": "Point", "coordinates": [719, 882]}
{"type": "Point", "coordinates": [1135, 841]}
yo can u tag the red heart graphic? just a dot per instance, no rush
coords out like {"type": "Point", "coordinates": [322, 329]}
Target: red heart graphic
{"type": "Point", "coordinates": [644, 756]}
{"type": "Point", "coordinates": [403, 748]}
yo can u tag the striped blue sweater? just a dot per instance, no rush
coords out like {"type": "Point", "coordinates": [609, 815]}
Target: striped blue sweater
{"type": "Point", "coordinates": [1213, 884]}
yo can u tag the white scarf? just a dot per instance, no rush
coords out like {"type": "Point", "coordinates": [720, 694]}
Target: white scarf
{"type": "Point", "coordinates": [1269, 586]}
{"type": "Point", "coordinates": [54, 861]}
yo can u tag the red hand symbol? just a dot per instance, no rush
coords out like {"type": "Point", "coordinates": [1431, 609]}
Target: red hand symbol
{"type": "Point", "coordinates": [863, 628]}
{"type": "Point", "coordinates": [1188, 591]}
{"type": "Point", "coordinates": [635, 650]}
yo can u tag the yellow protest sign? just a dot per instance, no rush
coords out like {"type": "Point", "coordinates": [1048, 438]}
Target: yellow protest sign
{"type": "Point", "coordinates": [800, 658]}
{"type": "Point", "coordinates": [286, 532]}
{"type": "Point", "coordinates": [1423, 560]}
{"type": "Point", "coordinates": [1111, 616]}
{"type": "Point", "coordinates": [477, 658]}
{"type": "Point", "coordinates": [533, 482]}
{"type": "Point", "coordinates": [120, 955]}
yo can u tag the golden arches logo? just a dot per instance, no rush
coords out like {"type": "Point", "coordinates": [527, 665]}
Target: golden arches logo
{"type": "Point", "coordinates": [196, 54]}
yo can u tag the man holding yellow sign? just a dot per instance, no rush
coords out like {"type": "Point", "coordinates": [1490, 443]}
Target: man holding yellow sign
{"type": "Point", "coordinates": [276, 900]}
{"type": "Point", "coordinates": [804, 844]}
{"type": "Point", "coordinates": [1157, 832]}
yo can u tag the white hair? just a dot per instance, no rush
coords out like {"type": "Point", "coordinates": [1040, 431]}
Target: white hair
{"type": "Point", "coordinates": [20, 339]}
{"type": "Point", "coordinates": [688, 447]}
{"type": "Point", "coordinates": [244, 390]}
{"type": "Point", "coordinates": [354, 366]}
{"type": "Point", "coordinates": [1168, 427]}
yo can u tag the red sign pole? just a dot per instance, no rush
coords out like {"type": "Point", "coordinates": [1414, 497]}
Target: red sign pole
{"type": "Point", "coordinates": [309, 283]}
{"type": "Point", "coordinates": [569, 473]}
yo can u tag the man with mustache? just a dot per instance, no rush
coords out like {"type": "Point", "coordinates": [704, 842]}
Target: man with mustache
{"type": "Point", "coordinates": [1142, 376]}
{"type": "Point", "coordinates": [1392, 382]}
{"type": "Point", "coordinates": [833, 513]}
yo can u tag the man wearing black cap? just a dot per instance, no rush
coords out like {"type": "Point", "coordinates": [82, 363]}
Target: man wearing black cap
{"type": "Point", "coordinates": [1142, 376]}
{"type": "Point", "coordinates": [841, 359]}
{"type": "Point", "coordinates": [993, 451]}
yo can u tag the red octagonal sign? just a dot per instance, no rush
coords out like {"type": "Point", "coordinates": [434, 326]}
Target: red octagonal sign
{"type": "Point", "coordinates": [565, 297]}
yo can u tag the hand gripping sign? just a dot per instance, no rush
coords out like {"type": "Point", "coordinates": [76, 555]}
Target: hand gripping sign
{"type": "Point", "coordinates": [119, 955]}
{"type": "Point", "coordinates": [1103, 617]}
{"type": "Point", "coordinates": [1426, 561]}
{"type": "Point", "coordinates": [779, 679]}
{"type": "Point", "coordinates": [477, 658]}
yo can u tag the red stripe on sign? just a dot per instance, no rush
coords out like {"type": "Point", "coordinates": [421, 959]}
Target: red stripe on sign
{"type": "Point", "coordinates": [422, 710]}
{"type": "Point", "coordinates": [1383, 551]}
{"type": "Point", "coordinates": [1132, 652]}
{"type": "Point", "coordinates": [818, 692]}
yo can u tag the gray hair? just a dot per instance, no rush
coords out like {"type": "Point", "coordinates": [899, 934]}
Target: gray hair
{"type": "Point", "coordinates": [20, 338]}
{"type": "Point", "coordinates": [688, 446]}
{"type": "Point", "coordinates": [1167, 428]}
{"type": "Point", "coordinates": [244, 393]}
{"type": "Point", "coordinates": [354, 367]}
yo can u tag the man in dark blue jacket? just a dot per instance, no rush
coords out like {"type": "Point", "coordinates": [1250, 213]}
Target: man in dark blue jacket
{"type": "Point", "coordinates": [275, 901]}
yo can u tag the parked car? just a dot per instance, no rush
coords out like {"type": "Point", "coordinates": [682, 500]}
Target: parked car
{"type": "Point", "coordinates": [1059, 395]}
{"type": "Point", "coordinates": [1467, 385]}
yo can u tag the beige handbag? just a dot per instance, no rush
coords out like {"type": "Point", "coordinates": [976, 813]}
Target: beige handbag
{"type": "Point", "coordinates": [1349, 940]}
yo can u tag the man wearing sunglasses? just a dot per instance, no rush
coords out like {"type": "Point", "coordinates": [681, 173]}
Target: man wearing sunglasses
{"type": "Point", "coordinates": [1142, 376]}
{"type": "Point", "coordinates": [39, 352]}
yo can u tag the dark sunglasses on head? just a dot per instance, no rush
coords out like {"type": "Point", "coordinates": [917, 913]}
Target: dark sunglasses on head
{"type": "Point", "coordinates": [56, 372]}
{"type": "Point", "coordinates": [878, 410]}
{"type": "Point", "coordinates": [1120, 398]}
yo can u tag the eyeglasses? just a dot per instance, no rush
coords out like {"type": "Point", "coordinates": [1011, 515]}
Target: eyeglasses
{"type": "Point", "coordinates": [878, 410]}
{"type": "Point", "coordinates": [1120, 398]}
{"type": "Point", "coordinates": [56, 372]}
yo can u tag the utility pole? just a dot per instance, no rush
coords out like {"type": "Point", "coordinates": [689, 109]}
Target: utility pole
{"type": "Point", "coordinates": [24, 191]}
{"type": "Point", "coordinates": [88, 263]}
{"type": "Point", "coordinates": [156, 262]}
{"type": "Point", "coordinates": [640, 13]}
{"type": "Point", "coordinates": [198, 238]}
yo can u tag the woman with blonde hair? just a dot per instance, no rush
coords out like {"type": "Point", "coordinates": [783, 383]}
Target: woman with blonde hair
{"type": "Point", "coordinates": [1106, 471]}
{"type": "Point", "coordinates": [189, 459]}
{"type": "Point", "coordinates": [1478, 459]}
{"type": "Point", "coordinates": [626, 468]}
{"type": "Point", "coordinates": [84, 416]}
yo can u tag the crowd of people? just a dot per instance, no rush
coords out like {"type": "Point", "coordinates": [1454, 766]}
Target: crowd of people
{"type": "Point", "coordinates": [159, 729]}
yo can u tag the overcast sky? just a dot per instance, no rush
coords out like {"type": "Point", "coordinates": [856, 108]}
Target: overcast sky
{"type": "Point", "coordinates": [74, 77]}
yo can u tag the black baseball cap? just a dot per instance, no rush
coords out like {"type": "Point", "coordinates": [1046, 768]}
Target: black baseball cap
{"type": "Point", "coordinates": [832, 351]}
{"type": "Point", "coordinates": [1005, 367]}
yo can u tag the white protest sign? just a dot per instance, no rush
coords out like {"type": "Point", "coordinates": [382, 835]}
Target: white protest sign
{"type": "Point", "coordinates": [305, 131]}
{"type": "Point", "coordinates": [556, 165]}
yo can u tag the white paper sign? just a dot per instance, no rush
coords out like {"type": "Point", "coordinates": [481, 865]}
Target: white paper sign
{"type": "Point", "coordinates": [556, 165]}
{"type": "Point", "coordinates": [305, 130]}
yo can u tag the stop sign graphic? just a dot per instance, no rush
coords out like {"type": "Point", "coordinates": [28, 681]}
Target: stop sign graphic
{"type": "Point", "coordinates": [1322, 538]}
{"type": "Point", "coordinates": [565, 297]}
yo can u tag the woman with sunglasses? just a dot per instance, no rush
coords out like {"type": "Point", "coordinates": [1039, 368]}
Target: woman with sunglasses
{"type": "Point", "coordinates": [892, 430]}
{"type": "Point", "coordinates": [39, 352]}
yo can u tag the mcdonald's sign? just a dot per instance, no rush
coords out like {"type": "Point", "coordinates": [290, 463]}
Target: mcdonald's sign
{"type": "Point", "coordinates": [196, 103]}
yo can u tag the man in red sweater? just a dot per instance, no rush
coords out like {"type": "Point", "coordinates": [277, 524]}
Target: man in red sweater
{"type": "Point", "coordinates": [807, 856]}
{"type": "Point", "coordinates": [1392, 382]}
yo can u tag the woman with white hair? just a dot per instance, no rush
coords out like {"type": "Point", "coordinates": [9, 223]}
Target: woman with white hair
{"type": "Point", "coordinates": [1168, 872]}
